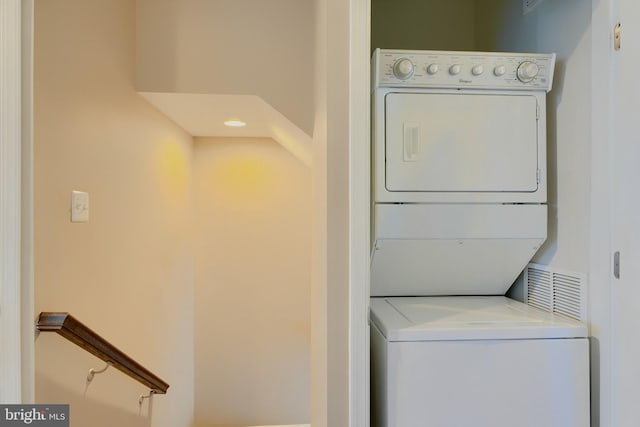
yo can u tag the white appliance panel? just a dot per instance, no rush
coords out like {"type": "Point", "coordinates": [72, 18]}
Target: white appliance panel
{"type": "Point", "coordinates": [468, 318]}
{"type": "Point", "coordinates": [478, 70]}
{"type": "Point", "coordinates": [456, 221]}
{"type": "Point", "coordinates": [461, 143]}
{"type": "Point", "coordinates": [449, 267]}
{"type": "Point", "coordinates": [440, 249]}
{"type": "Point", "coordinates": [483, 383]}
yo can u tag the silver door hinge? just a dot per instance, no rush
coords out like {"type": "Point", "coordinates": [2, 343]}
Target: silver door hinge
{"type": "Point", "coordinates": [616, 264]}
{"type": "Point", "coordinates": [616, 36]}
{"type": "Point", "coordinates": [537, 176]}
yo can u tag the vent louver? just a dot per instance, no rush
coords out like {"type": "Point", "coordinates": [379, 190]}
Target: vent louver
{"type": "Point", "coordinates": [529, 5]}
{"type": "Point", "coordinates": [556, 291]}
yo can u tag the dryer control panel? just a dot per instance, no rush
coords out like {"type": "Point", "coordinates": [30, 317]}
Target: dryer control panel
{"type": "Point", "coordinates": [445, 69]}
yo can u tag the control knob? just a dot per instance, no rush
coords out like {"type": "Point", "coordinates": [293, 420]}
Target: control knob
{"type": "Point", "coordinates": [499, 70]}
{"type": "Point", "coordinates": [403, 68]}
{"type": "Point", "coordinates": [432, 69]}
{"type": "Point", "coordinates": [477, 70]}
{"type": "Point", "coordinates": [527, 71]}
{"type": "Point", "coordinates": [455, 69]}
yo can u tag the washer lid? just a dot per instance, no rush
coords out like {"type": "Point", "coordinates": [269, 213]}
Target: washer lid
{"type": "Point", "coordinates": [467, 318]}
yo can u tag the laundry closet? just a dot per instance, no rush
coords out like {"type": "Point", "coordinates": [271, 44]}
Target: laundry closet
{"type": "Point", "coordinates": [480, 164]}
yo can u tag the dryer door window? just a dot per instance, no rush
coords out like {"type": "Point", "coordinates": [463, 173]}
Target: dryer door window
{"type": "Point", "coordinates": [442, 142]}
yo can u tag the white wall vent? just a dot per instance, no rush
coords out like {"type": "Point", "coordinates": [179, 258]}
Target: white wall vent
{"type": "Point", "coordinates": [529, 5]}
{"type": "Point", "coordinates": [556, 291]}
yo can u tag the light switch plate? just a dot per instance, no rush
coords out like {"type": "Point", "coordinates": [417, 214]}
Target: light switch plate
{"type": "Point", "coordinates": [79, 206]}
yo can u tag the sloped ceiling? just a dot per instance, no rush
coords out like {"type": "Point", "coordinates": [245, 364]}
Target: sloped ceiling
{"type": "Point", "coordinates": [204, 115]}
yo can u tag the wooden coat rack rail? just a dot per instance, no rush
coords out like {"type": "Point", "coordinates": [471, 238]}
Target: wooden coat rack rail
{"type": "Point", "coordinates": [76, 332]}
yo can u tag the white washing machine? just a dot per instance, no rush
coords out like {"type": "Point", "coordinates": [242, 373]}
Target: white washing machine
{"type": "Point", "coordinates": [477, 362]}
{"type": "Point", "coordinates": [459, 189]}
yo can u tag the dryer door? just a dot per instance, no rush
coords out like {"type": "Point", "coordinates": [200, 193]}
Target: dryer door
{"type": "Point", "coordinates": [447, 142]}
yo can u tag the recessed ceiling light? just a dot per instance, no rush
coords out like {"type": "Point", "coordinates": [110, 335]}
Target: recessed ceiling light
{"type": "Point", "coordinates": [235, 123]}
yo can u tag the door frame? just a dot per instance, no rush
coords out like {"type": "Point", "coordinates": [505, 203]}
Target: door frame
{"type": "Point", "coordinates": [17, 366]}
{"type": "Point", "coordinates": [359, 210]}
{"type": "Point", "coordinates": [10, 200]}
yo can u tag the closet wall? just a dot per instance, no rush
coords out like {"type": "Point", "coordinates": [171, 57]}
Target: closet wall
{"type": "Point", "coordinates": [416, 24]}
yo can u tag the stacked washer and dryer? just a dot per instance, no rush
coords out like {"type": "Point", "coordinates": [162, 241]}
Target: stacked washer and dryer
{"type": "Point", "coordinates": [459, 209]}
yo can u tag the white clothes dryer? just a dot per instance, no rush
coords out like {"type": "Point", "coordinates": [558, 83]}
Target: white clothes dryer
{"type": "Point", "coordinates": [459, 170]}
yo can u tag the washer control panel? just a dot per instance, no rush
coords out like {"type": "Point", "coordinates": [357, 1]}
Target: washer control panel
{"type": "Point", "coordinates": [446, 69]}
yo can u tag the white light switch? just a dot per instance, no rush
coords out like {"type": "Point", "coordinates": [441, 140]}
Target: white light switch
{"type": "Point", "coordinates": [79, 206]}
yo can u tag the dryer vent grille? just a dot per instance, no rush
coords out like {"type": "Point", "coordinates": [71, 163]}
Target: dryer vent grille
{"type": "Point", "coordinates": [556, 291]}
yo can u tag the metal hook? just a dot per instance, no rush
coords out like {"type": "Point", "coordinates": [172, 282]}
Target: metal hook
{"type": "Point", "coordinates": [93, 372]}
{"type": "Point", "coordinates": [143, 397]}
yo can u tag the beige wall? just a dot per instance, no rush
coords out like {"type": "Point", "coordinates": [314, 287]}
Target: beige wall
{"type": "Point", "coordinates": [252, 47]}
{"type": "Point", "coordinates": [128, 272]}
{"type": "Point", "coordinates": [253, 255]}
